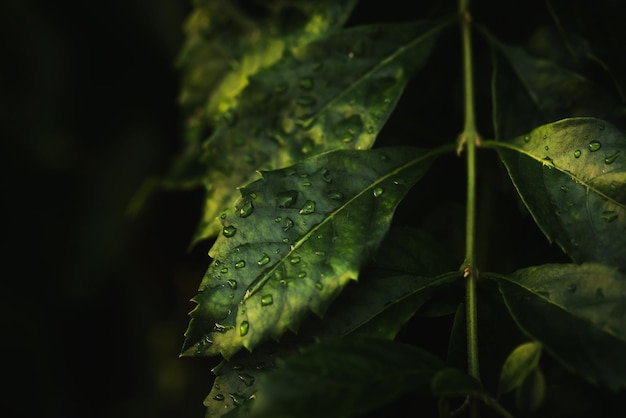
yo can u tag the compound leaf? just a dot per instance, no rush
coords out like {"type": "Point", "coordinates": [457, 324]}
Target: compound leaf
{"type": "Point", "coordinates": [293, 240]}
{"type": "Point", "coordinates": [571, 175]}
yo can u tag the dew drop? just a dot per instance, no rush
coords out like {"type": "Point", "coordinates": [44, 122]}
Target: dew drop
{"type": "Point", "coordinates": [320, 253]}
{"type": "Point", "coordinates": [609, 215]}
{"type": "Point", "coordinates": [286, 199]}
{"type": "Point", "coordinates": [263, 260]}
{"type": "Point", "coordinates": [246, 209]}
{"type": "Point", "coordinates": [594, 146]}
{"type": "Point", "coordinates": [306, 83]}
{"type": "Point", "coordinates": [219, 397]}
{"type": "Point", "coordinates": [335, 195]}
{"type": "Point", "coordinates": [326, 176]}
{"type": "Point", "coordinates": [224, 270]}
{"type": "Point", "coordinates": [278, 219]}
{"type": "Point", "coordinates": [527, 138]}
{"type": "Point", "coordinates": [306, 184]}
{"type": "Point", "coordinates": [611, 158]}
{"type": "Point", "coordinates": [308, 208]}
{"type": "Point", "coordinates": [287, 225]}
{"type": "Point", "coordinates": [238, 399]}
{"type": "Point", "coordinates": [246, 379]}
{"type": "Point", "coordinates": [295, 259]}
{"type": "Point", "coordinates": [349, 128]}
{"type": "Point", "coordinates": [577, 153]}
{"type": "Point", "coordinates": [229, 231]}
{"type": "Point", "coordinates": [378, 191]}
{"type": "Point", "coordinates": [240, 264]}
{"type": "Point", "coordinates": [302, 274]}
{"type": "Point", "coordinates": [546, 148]}
{"type": "Point", "coordinates": [564, 188]}
{"type": "Point", "coordinates": [232, 283]}
{"type": "Point", "coordinates": [267, 300]}
{"type": "Point", "coordinates": [244, 327]}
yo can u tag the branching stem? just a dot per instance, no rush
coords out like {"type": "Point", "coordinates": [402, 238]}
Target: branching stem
{"type": "Point", "coordinates": [469, 139]}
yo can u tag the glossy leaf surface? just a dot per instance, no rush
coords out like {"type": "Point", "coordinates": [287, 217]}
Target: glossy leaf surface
{"type": "Point", "coordinates": [571, 176]}
{"type": "Point", "coordinates": [227, 41]}
{"type": "Point", "coordinates": [335, 93]}
{"type": "Point", "coordinates": [577, 313]}
{"type": "Point", "coordinates": [293, 240]}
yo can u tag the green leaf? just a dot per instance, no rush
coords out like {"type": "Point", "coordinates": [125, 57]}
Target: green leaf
{"type": "Point", "coordinates": [571, 176]}
{"type": "Point", "coordinates": [530, 91]}
{"type": "Point", "coordinates": [577, 313]}
{"type": "Point", "coordinates": [226, 42]}
{"type": "Point", "coordinates": [236, 380]}
{"type": "Point", "coordinates": [291, 243]}
{"type": "Point", "coordinates": [378, 305]}
{"type": "Point", "coordinates": [335, 93]}
{"type": "Point", "coordinates": [344, 377]}
{"type": "Point", "coordinates": [518, 365]}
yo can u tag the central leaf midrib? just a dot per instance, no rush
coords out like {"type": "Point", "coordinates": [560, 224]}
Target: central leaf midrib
{"type": "Point", "coordinates": [259, 282]}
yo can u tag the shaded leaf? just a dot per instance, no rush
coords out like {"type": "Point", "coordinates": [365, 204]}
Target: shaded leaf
{"type": "Point", "coordinates": [594, 31]}
{"type": "Point", "coordinates": [291, 243]}
{"type": "Point", "coordinates": [531, 394]}
{"type": "Point", "coordinates": [344, 377]}
{"type": "Point", "coordinates": [565, 307]}
{"type": "Point", "coordinates": [378, 305]}
{"type": "Point", "coordinates": [571, 176]}
{"type": "Point", "coordinates": [335, 93]}
{"type": "Point", "coordinates": [518, 365]}
{"type": "Point", "coordinates": [531, 91]}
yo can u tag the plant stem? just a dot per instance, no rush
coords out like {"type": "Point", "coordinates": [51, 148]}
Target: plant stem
{"type": "Point", "coordinates": [470, 138]}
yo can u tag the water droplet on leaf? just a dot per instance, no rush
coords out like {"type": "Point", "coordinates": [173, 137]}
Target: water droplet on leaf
{"type": "Point", "coordinates": [246, 209]}
{"type": "Point", "coordinates": [229, 231]}
{"type": "Point", "coordinates": [611, 158]}
{"type": "Point", "coordinates": [267, 300]}
{"type": "Point", "coordinates": [263, 260]}
{"type": "Point", "coordinates": [609, 215]}
{"type": "Point", "coordinates": [295, 259]}
{"type": "Point", "coordinates": [219, 397]}
{"type": "Point", "coordinates": [232, 283]}
{"type": "Point", "coordinates": [378, 191]}
{"type": "Point", "coordinates": [240, 264]}
{"type": "Point", "coordinates": [246, 379]}
{"type": "Point", "coordinates": [349, 128]}
{"type": "Point", "coordinates": [286, 199]}
{"type": "Point", "coordinates": [308, 208]}
{"type": "Point", "coordinates": [594, 146]}
{"type": "Point", "coordinates": [244, 327]}
{"type": "Point", "coordinates": [577, 153]}
{"type": "Point", "coordinates": [288, 224]}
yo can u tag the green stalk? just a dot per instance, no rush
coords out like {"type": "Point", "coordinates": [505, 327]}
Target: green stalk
{"type": "Point", "coordinates": [469, 138]}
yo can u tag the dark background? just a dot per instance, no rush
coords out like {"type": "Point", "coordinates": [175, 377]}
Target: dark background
{"type": "Point", "coordinates": [96, 302]}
